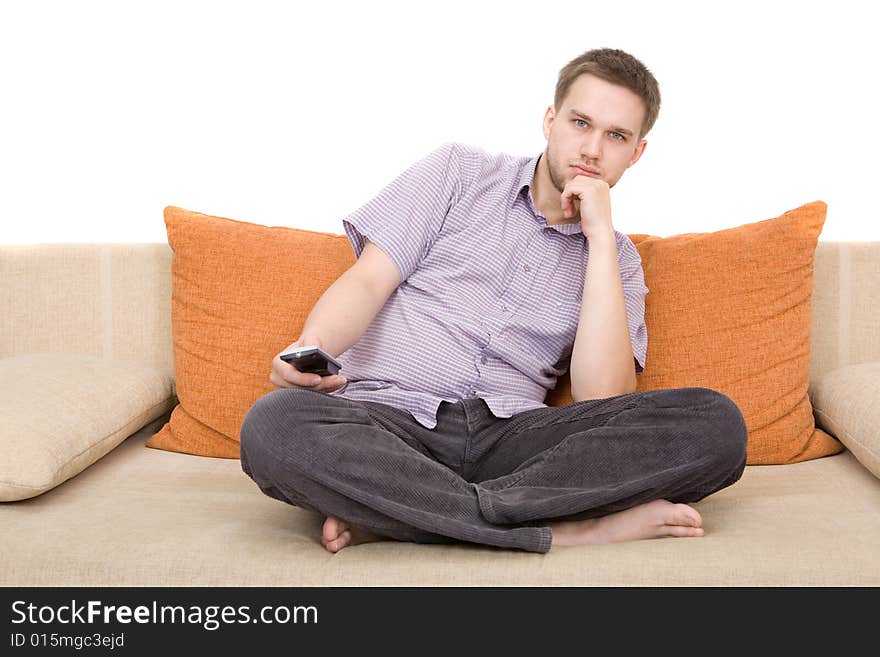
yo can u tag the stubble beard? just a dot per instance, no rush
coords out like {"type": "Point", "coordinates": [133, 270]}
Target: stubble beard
{"type": "Point", "coordinates": [555, 178]}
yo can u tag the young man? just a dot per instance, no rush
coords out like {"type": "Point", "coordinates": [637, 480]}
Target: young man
{"type": "Point", "coordinates": [480, 279]}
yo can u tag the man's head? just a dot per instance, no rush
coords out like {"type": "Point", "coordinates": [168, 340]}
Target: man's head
{"type": "Point", "coordinates": [606, 101]}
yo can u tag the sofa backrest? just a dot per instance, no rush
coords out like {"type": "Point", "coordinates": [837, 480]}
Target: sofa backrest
{"type": "Point", "coordinates": [109, 300]}
{"type": "Point", "coordinates": [114, 300]}
{"type": "Point", "coordinates": [846, 306]}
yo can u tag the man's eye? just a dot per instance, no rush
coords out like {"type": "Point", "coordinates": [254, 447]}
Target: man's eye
{"type": "Point", "coordinates": [617, 136]}
{"type": "Point", "coordinates": [579, 121]}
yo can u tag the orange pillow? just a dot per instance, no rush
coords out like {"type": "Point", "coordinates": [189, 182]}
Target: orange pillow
{"type": "Point", "coordinates": [728, 310]}
{"type": "Point", "coordinates": [240, 294]}
{"type": "Point", "coordinates": [731, 311]}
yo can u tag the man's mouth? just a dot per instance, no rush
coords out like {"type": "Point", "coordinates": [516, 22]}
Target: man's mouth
{"type": "Point", "coordinates": [586, 171]}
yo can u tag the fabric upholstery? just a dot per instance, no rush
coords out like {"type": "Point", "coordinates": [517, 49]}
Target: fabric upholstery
{"type": "Point", "coordinates": [845, 404]}
{"type": "Point", "coordinates": [157, 518]}
{"type": "Point", "coordinates": [846, 306]}
{"type": "Point", "coordinates": [107, 300]}
{"type": "Point", "coordinates": [59, 413]}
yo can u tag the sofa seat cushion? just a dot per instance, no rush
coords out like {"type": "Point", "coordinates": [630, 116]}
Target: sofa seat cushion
{"type": "Point", "coordinates": [159, 518]}
{"type": "Point", "coordinates": [845, 404]}
{"type": "Point", "coordinates": [59, 413]}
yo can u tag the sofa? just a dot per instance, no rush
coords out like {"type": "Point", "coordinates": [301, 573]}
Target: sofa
{"type": "Point", "coordinates": [87, 331]}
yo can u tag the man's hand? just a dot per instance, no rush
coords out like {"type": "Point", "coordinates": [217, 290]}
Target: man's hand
{"type": "Point", "coordinates": [593, 198]}
{"type": "Point", "coordinates": [285, 375]}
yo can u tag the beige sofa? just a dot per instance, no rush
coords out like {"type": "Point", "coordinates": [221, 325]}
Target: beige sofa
{"type": "Point", "coordinates": [85, 350]}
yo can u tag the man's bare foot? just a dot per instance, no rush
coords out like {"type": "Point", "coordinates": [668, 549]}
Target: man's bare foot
{"type": "Point", "coordinates": [650, 520]}
{"type": "Point", "coordinates": [337, 534]}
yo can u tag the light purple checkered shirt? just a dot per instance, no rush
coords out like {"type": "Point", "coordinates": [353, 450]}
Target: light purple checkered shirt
{"type": "Point", "coordinates": [490, 294]}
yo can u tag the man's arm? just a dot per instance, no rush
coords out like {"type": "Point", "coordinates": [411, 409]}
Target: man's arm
{"type": "Point", "coordinates": [345, 310]}
{"type": "Point", "coordinates": [341, 315]}
{"type": "Point", "coordinates": [602, 362]}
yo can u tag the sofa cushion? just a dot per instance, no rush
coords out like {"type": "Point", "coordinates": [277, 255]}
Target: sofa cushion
{"type": "Point", "coordinates": [731, 310]}
{"type": "Point", "coordinates": [59, 413]}
{"type": "Point", "coordinates": [728, 310]}
{"type": "Point", "coordinates": [240, 294]}
{"type": "Point", "coordinates": [156, 518]}
{"type": "Point", "coordinates": [845, 403]}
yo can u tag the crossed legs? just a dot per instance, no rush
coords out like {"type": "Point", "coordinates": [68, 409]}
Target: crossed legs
{"type": "Point", "coordinates": [592, 472]}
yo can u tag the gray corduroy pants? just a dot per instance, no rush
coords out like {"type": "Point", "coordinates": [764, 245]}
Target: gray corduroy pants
{"type": "Point", "coordinates": [487, 480]}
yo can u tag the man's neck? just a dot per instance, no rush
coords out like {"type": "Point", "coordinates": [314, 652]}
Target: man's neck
{"type": "Point", "coordinates": [548, 200]}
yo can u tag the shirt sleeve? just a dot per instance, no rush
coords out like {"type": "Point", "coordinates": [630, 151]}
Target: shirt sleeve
{"type": "Point", "coordinates": [407, 215]}
{"type": "Point", "coordinates": [632, 277]}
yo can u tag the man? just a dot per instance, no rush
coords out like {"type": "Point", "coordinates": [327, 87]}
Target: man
{"type": "Point", "coordinates": [480, 279]}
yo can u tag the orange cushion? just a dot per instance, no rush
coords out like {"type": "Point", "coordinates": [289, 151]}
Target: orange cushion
{"type": "Point", "coordinates": [240, 294]}
{"type": "Point", "coordinates": [731, 311]}
{"type": "Point", "coordinates": [728, 310]}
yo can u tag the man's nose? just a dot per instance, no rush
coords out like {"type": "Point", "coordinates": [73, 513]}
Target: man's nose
{"type": "Point", "coordinates": [591, 147]}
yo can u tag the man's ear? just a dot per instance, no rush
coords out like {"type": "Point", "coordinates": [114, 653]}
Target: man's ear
{"type": "Point", "coordinates": [549, 116]}
{"type": "Point", "coordinates": [638, 153]}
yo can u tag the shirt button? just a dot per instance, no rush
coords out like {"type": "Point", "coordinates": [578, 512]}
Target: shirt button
{"type": "Point", "coordinates": [484, 360]}
{"type": "Point", "coordinates": [526, 268]}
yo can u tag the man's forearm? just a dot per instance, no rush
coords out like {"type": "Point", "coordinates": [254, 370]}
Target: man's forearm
{"type": "Point", "coordinates": [602, 358]}
{"type": "Point", "coordinates": [343, 313]}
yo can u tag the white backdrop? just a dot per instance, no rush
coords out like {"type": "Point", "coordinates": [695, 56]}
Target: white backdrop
{"type": "Point", "coordinates": [287, 113]}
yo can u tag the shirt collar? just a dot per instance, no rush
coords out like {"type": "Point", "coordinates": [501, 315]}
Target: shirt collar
{"type": "Point", "coordinates": [525, 182]}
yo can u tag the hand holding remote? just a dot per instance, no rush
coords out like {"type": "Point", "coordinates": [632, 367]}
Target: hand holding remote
{"type": "Point", "coordinates": [287, 375]}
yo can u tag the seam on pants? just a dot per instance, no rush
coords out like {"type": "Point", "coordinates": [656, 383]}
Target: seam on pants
{"type": "Point", "coordinates": [559, 422]}
{"type": "Point", "coordinates": [548, 454]}
{"type": "Point", "coordinates": [545, 456]}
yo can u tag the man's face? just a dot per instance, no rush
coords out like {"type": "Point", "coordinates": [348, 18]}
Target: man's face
{"type": "Point", "coordinates": [596, 128]}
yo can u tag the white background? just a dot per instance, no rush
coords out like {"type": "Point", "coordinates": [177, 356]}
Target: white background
{"type": "Point", "coordinates": [295, 114]}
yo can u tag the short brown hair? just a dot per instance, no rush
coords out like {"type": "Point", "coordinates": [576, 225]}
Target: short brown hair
{"type": "Point", "coordinates": [617, 67]}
